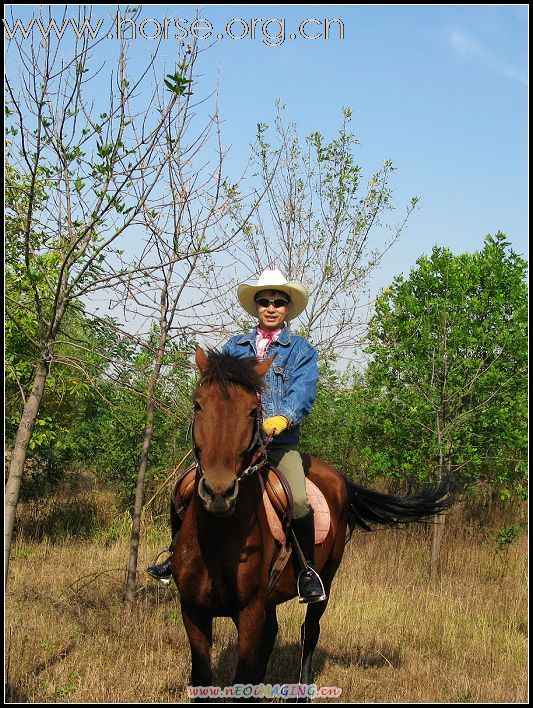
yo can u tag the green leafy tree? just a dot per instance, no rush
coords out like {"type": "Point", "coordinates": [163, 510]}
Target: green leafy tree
{"type": "Point", "coordinates": [448, 375]}
{"type": "Point", "coordinates": [111, 425]}
{"type": "Point", "coordinates": [449, 370]}
{"type": "Point", "coordinates": [83, 349]}
{"type": "Point", "coordinates": [333, 430]}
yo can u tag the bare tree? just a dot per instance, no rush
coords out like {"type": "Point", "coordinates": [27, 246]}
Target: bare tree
{"type": "Point", "coordinates": [320, 225]}
{"type": "Point", "coordinates": [188, 232]}
{"type": "Point", "coordinates": [76, 161]}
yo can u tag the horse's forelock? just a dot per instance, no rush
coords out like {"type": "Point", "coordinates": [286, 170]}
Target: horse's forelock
{"type": "Point", "coordinates": [226, 369]}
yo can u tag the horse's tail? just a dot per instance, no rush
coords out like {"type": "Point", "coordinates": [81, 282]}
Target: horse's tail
{"type": "Point", "coordinates": [370, 507]}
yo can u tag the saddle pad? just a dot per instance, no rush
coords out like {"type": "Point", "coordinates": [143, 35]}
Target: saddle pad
{"type": "Point", "coordinates": [320, 508]}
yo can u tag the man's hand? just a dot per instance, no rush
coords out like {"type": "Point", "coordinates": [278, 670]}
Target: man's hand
{"type": "Point", "coordinates": [275, 425]}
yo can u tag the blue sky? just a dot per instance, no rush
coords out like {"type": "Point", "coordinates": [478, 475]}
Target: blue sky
{"type": "Point", "coordinates": [440, 90]}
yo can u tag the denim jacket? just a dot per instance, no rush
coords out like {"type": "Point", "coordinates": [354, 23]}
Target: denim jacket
{"type": "Point", "coordinates": [290, 383]}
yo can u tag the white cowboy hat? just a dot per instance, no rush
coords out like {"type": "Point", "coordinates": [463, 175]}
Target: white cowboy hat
{"type": "Point", "coordinates": [273, 280]}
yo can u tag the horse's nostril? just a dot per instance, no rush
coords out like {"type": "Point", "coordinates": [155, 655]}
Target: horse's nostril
{"type": "Point", "coordinates": [231, 493]}
{"type": "Point", "coordinates": [217, 498]}
{"type": "Point", "coordinates": [230, 490]}
{"type": "Point", "coordinates": [208, 489]}
{"type": "Point", "coordinates": [205, 492]}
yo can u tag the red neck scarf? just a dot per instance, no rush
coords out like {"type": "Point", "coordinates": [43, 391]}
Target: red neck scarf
{"type": "Point", "coordinates": [264, 338]}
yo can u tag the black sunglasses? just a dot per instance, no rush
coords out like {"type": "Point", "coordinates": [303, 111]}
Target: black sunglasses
{"type": "Point", "coordinates": [265, 302]}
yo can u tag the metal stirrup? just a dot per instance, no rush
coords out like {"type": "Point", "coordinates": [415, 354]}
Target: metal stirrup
{"type": "Point", "coordinates": [309, 569]}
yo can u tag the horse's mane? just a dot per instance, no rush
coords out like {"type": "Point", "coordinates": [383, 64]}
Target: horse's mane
{"type": "Point", "coordinates": [226, 369]}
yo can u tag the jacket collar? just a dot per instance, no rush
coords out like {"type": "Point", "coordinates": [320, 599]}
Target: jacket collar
{"type": "Point", "coordinates": [284, 338]}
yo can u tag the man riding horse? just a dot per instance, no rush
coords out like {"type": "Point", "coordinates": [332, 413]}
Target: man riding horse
{"type": "Point", "coordinates": [288, 396]}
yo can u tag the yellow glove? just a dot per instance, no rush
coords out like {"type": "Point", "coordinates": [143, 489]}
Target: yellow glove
{"type": "Point", "coordinates": [275, 425]}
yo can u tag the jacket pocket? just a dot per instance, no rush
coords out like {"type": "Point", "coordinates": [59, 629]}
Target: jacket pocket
{"type": "Point", "coordinates": [282, 375]}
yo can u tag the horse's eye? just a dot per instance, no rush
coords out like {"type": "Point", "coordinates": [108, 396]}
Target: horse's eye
{"type": "Point", "coordinates": [196, 407]}
{"type": "Point", "coordinates": [252, 413]}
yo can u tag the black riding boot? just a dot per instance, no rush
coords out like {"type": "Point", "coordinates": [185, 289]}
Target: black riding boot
{"type": "Point", "coordinates": [162, 571]}
{"type": "Point", "coordinates": [310, 587]}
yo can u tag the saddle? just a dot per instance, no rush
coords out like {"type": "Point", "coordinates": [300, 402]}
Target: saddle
{"type": "Point", "coordinates": [183, 490]}
{"type": "Point", "coordinates": [277, 501]}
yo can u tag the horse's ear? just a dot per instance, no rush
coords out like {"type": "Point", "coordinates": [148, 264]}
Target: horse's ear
{"type": "Point", "coordinates": [201, 361]}
{"type": "Point", "coordinates": [264, 366]}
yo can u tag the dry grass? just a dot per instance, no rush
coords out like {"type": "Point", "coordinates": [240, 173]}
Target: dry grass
{"type": "Point", "coordinates": [389, 635]}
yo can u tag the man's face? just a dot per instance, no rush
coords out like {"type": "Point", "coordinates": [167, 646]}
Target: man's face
{"type": "Point", "coordinates": [272, 317]}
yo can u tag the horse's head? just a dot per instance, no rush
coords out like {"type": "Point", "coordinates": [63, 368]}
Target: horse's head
{"type": "Point", "coordinates": [227, 422]}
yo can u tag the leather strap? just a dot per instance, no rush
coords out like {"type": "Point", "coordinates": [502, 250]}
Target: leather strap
{"type": "Point", "coordinates": [279, 565]}
{"type": "Point", "coordinates": [180, 497]}
{"type": "Point", "coordinates": [288, 509]}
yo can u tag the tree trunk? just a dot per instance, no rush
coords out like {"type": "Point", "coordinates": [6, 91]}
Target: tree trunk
{"type": "Point", "coordinates": [438, 524]}
{"type": "Point", "coordinates": [137, 514]}
{"type": "Point", "coordinates": [436, 537]}
{"type": "Point", "coordinates": [139, 490]}
{"type": "Point", "coordinates": [437, 520]}
{"type": "Point", "coordinates": [20, 450]}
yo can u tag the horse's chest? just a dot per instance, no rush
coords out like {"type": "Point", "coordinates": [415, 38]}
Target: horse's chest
{"type": "Point", "coordinates": [219, 576]}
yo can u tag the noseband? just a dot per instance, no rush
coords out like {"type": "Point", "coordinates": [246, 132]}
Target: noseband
{"type": "Point", "coordinates": [258, 446]}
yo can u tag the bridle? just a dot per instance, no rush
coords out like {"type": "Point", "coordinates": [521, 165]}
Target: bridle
{"type": "Point", "coordinates": [258, 446]}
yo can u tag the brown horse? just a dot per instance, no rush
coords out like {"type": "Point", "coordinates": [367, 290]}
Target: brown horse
{"type": "Point", "coordinates": [224, 551]}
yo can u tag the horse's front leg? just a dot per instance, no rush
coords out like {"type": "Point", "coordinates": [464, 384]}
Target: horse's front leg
{"type": "Point", "coordinates": [269, 639]}
{"type": "Point", "coordinates": [250, 627]}
{"type": "Point", "coordinates": [199, 628]}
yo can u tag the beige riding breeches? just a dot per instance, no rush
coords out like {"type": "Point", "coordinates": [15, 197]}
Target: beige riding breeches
{"type": "Point", "coordinates": [289, 461]}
